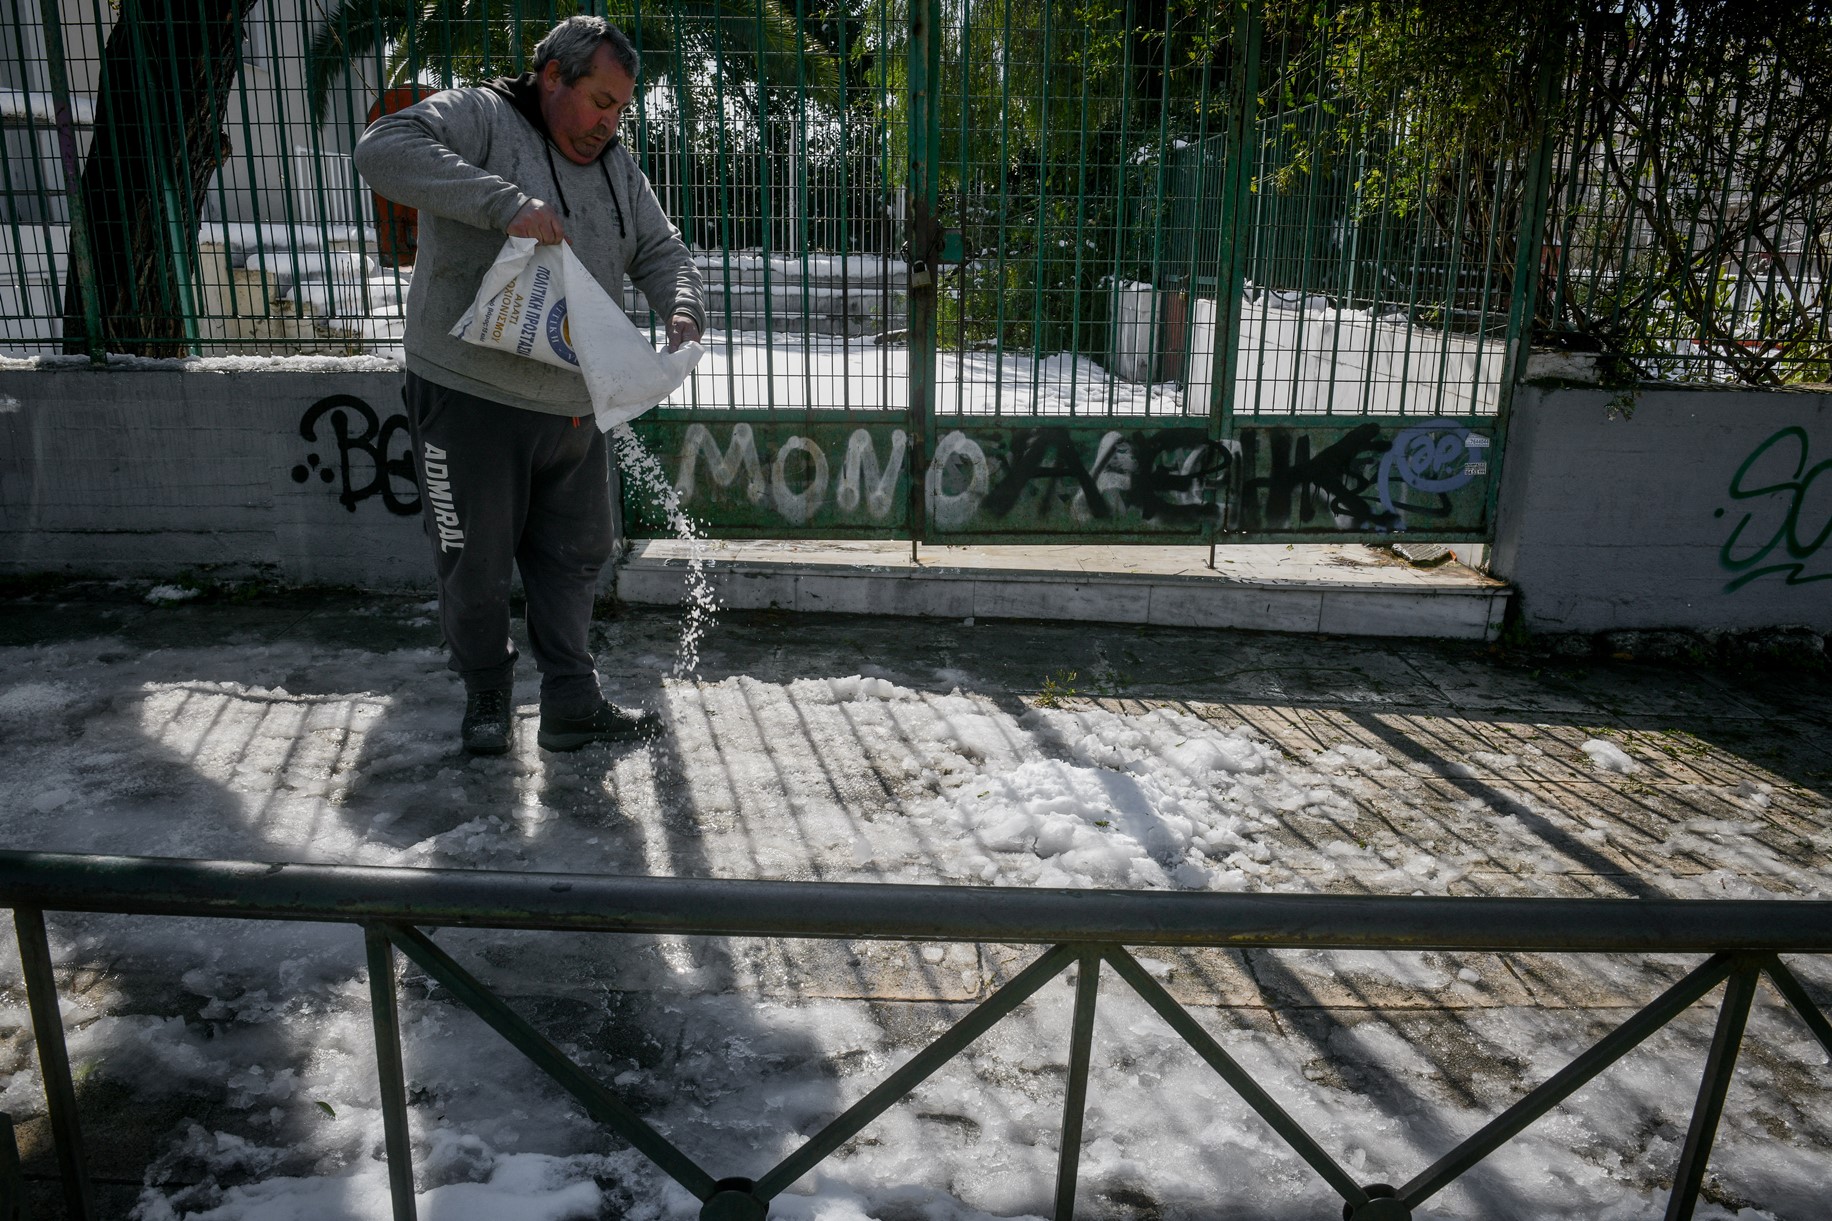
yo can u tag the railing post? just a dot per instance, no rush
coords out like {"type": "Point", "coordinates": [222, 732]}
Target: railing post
{"type": "Point", "coordinates": [12, 1177]}
{"type": "Point", "coordinates": [53, 1060]}
{"type": "Point", "coordinates": [1075, 1101]}
{"type": "Point", "coordinates": [385, 1011]}
{"type": "Point", "coordinates": [1733, 1015]}
{"type": "Point", "coordinates": [1235, 208]}
{"type": "Point", "coordinates": [924, 232]}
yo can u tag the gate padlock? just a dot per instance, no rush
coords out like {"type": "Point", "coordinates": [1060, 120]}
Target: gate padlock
{"type": "Point", "coordinates": [919, 275]}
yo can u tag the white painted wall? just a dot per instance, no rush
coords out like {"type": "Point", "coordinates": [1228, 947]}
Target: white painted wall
{"type": "Point", "coordinates": [1679, 514]}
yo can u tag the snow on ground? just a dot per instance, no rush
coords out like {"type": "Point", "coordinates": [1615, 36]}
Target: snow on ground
{"type": "Point", "coordinates": [738, 1049]}
{"type": "Point", "coordinates": [746, 369]}
{"type": "Point", "coordinates": [755, 369]}
{"type": "Point", "coordinates": [379, 362]}
{"type": "Point", "coordinates": [1609, 757]}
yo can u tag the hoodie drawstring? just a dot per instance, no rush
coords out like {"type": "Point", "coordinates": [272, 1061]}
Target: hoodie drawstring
{"type": "Point", "coordinates": [615, 203]}
{"type": "Point", "coordinates": [547, 147]}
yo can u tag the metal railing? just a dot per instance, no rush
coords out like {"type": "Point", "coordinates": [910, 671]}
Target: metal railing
{"type": "Point", "coordinates": [1082, 929]}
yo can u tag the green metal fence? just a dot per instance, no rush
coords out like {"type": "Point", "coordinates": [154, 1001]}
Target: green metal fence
{"type": "Point", "coordinates": [1141, 270]}
{"type": "Point", "coordinates": [1170, 278]}
{"type": "Point", "coordinates": [1085, 930]}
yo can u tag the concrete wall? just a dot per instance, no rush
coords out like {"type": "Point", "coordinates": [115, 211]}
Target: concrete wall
{"type": "Point", "coordinates": [150, 473]}
{"type": "Point", "coordinates": [1708, 510]}
{"type": "Point", "coordinates": [1702, 509]}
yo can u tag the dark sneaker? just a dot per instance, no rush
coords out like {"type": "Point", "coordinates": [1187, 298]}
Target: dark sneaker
{"type": "Point", "coordinates": [488, 722]}
{"type": "Point", "coordinates": [608, 723]}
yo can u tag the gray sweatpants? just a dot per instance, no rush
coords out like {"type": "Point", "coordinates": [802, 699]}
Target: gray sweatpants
{"type": "Point", "coordinates": [501, 486]}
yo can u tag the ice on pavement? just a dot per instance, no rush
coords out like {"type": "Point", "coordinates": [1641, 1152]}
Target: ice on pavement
{"type": "Point", "coordinates": [302, 752]}
{"type": "Point", "coordinates": [1609, 757]}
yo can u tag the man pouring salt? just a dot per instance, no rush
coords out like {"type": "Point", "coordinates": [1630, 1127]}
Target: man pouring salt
{"type": "Point", "coordinates": [512, 470]}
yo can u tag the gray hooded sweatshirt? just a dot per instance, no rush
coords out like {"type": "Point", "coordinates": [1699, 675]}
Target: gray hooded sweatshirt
{"type": "Point", "coordinates": [467, 160]}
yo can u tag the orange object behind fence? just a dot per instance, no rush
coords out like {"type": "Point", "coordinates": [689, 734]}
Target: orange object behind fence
{"type": "Point", "coordinates": [397, 226]}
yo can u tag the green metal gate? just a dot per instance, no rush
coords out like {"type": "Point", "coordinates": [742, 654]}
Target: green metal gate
{"type": "Point", "coordinates": [1145, 271]}
{"type": "Point", "coordinates": [979, 270]}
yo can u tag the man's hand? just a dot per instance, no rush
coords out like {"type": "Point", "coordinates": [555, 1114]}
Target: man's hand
{"type": "Point", "coordinates": [682, 329]}
{"type": "Point", "coordinates": [540, 222]}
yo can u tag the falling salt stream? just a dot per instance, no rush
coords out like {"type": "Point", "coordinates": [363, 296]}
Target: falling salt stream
{"type": "Point", "coordinates": [642, 467]}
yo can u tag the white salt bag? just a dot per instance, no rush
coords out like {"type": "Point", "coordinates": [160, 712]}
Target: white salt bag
{"type": "Point", "coordinates": [540, 302]}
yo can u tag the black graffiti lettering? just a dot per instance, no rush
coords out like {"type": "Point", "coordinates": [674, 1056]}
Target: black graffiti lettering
{"type": "Point", "coordinates": [1173, 476]}
{"type": "Point", "coordinates": [363, 455]}
{"type": "Point", "coordinates": [1344, 473]}
{"type": "Point", "coordinates": [1170, 476]}
{"type": "Point", "coordinates": [1028, 459]}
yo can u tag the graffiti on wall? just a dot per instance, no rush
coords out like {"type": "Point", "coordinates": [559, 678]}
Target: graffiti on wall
{"type": "Point", "coordinates": [798, 479]}
{"type": "Point", "coordinates": [359, 456]}
{"type": "Point", "coordinates": [1085, 479]}
{"type": "Point", "coordinates": [1368, 480]}
{"type": "Point", "coordinates": [1038, 478]}
{"type": "Point", "coordinates": [1178, 480]}
{"type": "Point", "coordinates": [1773, 489]}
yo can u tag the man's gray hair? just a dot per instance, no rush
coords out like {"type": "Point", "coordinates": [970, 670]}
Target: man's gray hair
{"type": "Point", "coordinates": [574, 43]}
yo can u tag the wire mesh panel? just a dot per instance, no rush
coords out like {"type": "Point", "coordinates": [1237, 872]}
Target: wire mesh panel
{"type": "Point", "coordinates": [781, 147]}
{"type": "Point", "coordinates": [173, 188]}
{"type": "Point", "coordinates": [1132, 269]}
{"type": "Point", "coordinates": [1383, 223]}
{"type": "Point", "coordinates": [1388, 217]}
{"type": "Point", "coordinates": [1191, 249]}
{"type": "Point", "coordinates": [1064, 283]}
{"type": "Point", "coordinates": [212, 142]}
{"type": "Point", "coordinates": [774, 147]}
{"type": "Point", "coordinates": [34, 185]}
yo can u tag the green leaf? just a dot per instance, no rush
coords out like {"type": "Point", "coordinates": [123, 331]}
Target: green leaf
{"type": "Point", "coordinates": [325, 1107]}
